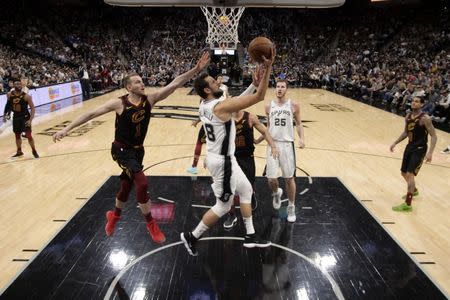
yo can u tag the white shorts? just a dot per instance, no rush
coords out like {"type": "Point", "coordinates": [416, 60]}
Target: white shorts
{"type": "Point", "coordinates": [228, 177]}
{"type": "Point", "coordinates": [285, 162]}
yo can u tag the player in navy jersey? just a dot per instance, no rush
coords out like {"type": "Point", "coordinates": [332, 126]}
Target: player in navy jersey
{"type": "Point", "coordinates": [18, 102]}
{"type": "Point", "coordinates": [132, 120]}
{"type": "Point", "coordinates": [244, 153]}
{"type": "Point", "coordinates": [417, 127]}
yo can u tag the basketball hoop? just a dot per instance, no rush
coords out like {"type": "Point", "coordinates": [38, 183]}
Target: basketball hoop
{"type": "Point", "coordinates": [223, 25]}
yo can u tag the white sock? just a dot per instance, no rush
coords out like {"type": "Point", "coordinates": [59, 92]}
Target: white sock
{"type": "Point", "coordinates": [275, 193]}
{"type": "Point", "coordinates": [199, 230]}
{"type": "Point", "coordinates": [291, 203]}
{"type": "Point", "coordinates": [249, 225]}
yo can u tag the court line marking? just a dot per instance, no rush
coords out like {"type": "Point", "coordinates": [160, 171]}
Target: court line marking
{"type": "Point", "coordinates": [305, 190]}
{"type": "Point", "coordinates": [337, 291]}
{"type": "Point", "coordinates": [385, 228]}
{"type": "Point", "coordinates": [166, 200]}
{"type": "Point", "coordinates": [200, 206]}
{"type": "Point", "coordinates": [178, 145]}
{"type": "Point", "coordinates": [8, 284]}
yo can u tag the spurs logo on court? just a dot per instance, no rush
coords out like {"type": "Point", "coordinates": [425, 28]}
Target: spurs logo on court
{"type": "Point", "coordinates": [77, 132]}
{"type": "Point", "coordinates": [331, 107]}
{"type": "Point", "coordinates": [138, 116]}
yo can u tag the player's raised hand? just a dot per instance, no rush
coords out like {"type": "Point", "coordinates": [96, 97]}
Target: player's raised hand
{"type": "Point", "coordinates": [202, 62]}
{"type": "Point", "coordinates": [257, 75]}
{"type": "Point", "coordinates": [267, 62]}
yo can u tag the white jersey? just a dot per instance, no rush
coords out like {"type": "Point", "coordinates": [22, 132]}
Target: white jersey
{"type": "Point", "coordinates": [281, 120]}
{"type": "Point", "coordinates": [220, 135]}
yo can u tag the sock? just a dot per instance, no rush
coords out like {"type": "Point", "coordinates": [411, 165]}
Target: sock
{"type": "Point", "coordinates": [199, 230]}
{"type": "Point", "coordinates": [291, 203]}
{"type": "Point", "coordinates": [409, 198]}
{"type": "Point", "coordinates": [195, 162]}
{"type": "Point", "coordinates": [249, 225]}
{"type": "Point", "coordinates": [197, 152]}
{"type": "Point", "coordinates": [231, 212]}
{"type": "Point", "coordinates": [117, 211]}
{"type": "Point", "coordinates": [236, 201]}
{"type": "Point", "coordinates": [148, 217]}
{"type": "Point", "coordinates": [275, 193]}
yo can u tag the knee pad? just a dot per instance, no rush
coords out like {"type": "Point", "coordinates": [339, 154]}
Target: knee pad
{"type": "Point", "coordinates": [221, 208]}
{"type": "Point", "coordinates": [246, 194]}
{"type": "Point", "coordinates": [141, 184]}
{"type": "Point", "coordinates": [124, 192]}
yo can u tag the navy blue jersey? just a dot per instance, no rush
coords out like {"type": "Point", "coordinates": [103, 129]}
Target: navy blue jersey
{"type": "Point", "coordinates": [132, 124]}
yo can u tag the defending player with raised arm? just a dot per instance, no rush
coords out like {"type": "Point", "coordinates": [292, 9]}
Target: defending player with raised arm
{"type": "Point", "coordinates": [132, 120]}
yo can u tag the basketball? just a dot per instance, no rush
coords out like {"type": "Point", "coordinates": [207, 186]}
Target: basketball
{"type": "Point", "coordinates": [259, 47]}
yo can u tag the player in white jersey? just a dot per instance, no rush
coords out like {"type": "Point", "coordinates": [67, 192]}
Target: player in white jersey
{"type": "Point", "coordinates": [201, 139]}
{"type": "Point", "coordinates": [228, 178]}
{"type": "Point", "coordinates": [281, 113]}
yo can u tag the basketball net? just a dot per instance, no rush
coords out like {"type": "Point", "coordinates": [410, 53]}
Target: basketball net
{"type": "Point", "coordinates": [223, 25]}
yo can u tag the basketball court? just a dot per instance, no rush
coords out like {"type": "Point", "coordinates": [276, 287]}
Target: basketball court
{"type": "Point", "coordinates": [347, 243]}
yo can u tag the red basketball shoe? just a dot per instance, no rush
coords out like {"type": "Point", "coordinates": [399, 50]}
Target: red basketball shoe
{"type": "Point", "coordinates": [111, 222]}
{"type": "Point", "coordinates": [155, 233]}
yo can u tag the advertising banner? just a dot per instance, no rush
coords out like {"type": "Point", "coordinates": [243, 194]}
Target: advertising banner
{"type": "Point", "coordinates": [48, 94]}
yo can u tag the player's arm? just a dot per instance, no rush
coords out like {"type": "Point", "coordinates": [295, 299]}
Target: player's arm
{"type": "Point", "coordinates": [224, 109]}
{"type": "Point", "coordinates": [8, 108]}
{"type": "Point", "coordinates": [264, 134]}
{"type": "Point", "coordinates": [32, 109]}
{"type": "Point", "coordinates": [111, 105]}
{"type": "Point", "coordinates": [195, 122]}
{"type": "Point", "coordinates": [179, 81]}
{"type": "Point", "coordinates": [430, 128]}
{"type": "Point", "coordinates": [298, 125]}
{"type": "Point", "coordinates": [402, 136]}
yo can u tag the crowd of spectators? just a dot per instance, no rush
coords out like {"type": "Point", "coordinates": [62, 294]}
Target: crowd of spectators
{"type": "Point", "coordinates": [383, 55]}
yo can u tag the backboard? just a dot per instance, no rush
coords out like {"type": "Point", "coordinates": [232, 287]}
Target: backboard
{"type": "Point", "coordinates": [223, 15]}
{"type": "Point", "coordinates": [224, 3]}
